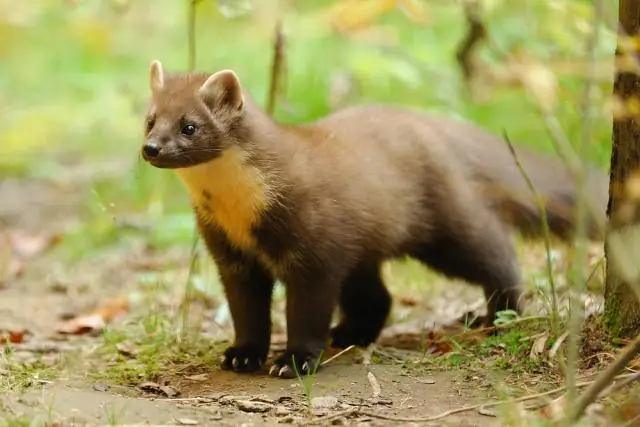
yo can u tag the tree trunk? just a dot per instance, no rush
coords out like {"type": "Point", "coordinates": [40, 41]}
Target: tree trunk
{"type": "Point", "coordinates": [622, 309]}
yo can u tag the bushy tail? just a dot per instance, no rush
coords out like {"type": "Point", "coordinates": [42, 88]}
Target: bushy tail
{"type": "Point", "coordinates": [489, 163]}
{"type": "Point", "coordinates": [553, 183]}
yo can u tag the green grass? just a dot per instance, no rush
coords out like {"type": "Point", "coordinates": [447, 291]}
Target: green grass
{"type": "Point", "coordinates": [159, 352]}
{"type": "Point", "coordinates": [73, 87]}
{"type": "Point", "coordinates": [20, 376]}
{"type": "Point", "coordinates": [73, 93]}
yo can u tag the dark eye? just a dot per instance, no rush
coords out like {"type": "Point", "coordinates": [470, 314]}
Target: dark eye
{"type": "Point", "coordinates": [189, 129]}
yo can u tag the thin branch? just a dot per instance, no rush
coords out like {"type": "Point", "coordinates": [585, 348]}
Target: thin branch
{"type": "Point", "coordinates": [358, 411]}
{"type": "Point", "coordinates": [476, 32]}
{"type": "Point", "coordinates": [578, 272]}
{"type": "Point", "coordinates": [335, 356]}
{"type": "Point", "coordinates": [276, 66]}
{"type": "Point", "coordinates": [603, 380]}
{"type": "Point", "coordinates": [546, 233]}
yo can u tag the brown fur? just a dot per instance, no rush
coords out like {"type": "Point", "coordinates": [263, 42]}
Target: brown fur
{"type": "Point", "coordinates": [321, 206]}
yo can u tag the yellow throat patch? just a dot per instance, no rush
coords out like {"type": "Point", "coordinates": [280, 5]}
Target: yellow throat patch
{"type": "Point", "coordinates": [229, 194]}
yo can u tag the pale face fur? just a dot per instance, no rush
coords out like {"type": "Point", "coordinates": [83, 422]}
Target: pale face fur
{"type": "Point", "coordinates": [192, 117]}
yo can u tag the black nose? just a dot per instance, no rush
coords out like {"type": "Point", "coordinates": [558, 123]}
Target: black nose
{"type": "Point", "coordinates": [151, 150]}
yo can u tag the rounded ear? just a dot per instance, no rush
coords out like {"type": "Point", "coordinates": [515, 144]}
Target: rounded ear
{"type": "Point", "coordinates": [156, 76]}
{"type": "Point", "coordinates": [222, 90]}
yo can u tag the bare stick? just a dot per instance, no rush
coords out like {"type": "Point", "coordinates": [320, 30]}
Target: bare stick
{"type": "Point", "coordinates": [578, 273]}
{"type": "Point", "coordinates": [375, 385]}
{"type": "Point", "coordinates": [475, 34]}
{"type": "Point", "coordinates": [276, 66]}
{"type": "Point", "coordinates": [603, 380]}
{"type": "Point", "coordinates": [335, 356]}
{"type": "Point", "coordinates": [546, 233]}
{"type": "Point", "coordinates": [357, 411]}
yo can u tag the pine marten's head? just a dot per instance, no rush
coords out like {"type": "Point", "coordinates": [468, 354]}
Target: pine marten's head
{"type": "Point", "coordinates": [192, 118]}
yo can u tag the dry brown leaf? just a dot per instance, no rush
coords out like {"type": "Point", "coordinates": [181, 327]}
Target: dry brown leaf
{"type": "Point", "coordinates": [156, 388]}
{"type": "Point", "coordinates": [96, 320]}
{"type": "Point", "coordinates": [537, 349]}
{"type": "Point", "coordinates": [26, 245]}
{"type": "Point", "coordinates": [408, 301]}
{"type": "Point", "coordinates": [13, 337]}
{"type": "Point", "coordinates": [16, 246]}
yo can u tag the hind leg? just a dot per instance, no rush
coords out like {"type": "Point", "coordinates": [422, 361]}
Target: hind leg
{"type": "Point", "coordinates": [365, 304]}
{"type": "Point", "coordinates": [477, 249]}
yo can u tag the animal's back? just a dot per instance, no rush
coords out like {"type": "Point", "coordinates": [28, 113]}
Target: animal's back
{"type": "Point", "coordinates": [427, 153]}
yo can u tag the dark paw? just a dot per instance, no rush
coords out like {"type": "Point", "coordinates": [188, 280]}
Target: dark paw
{"type": "Point", "coordinates": [345, 335]}
{"type": "Point", "coordinates": [305, 363]}
{"type": "Point", "coordinates": [243, 359]}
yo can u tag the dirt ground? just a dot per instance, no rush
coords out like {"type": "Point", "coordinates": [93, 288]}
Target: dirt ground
{"type": "Point", "coordinates": [344, 392]}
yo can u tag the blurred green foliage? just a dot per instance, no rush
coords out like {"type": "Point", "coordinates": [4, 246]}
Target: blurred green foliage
{"type": "Point", "coordinates": [73, 80]}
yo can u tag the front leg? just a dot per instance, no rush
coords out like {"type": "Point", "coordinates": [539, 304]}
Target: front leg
{"type": "Point", "coordinates": [311, 300]}
{"type": "Point", "coordinates": [248, 288]}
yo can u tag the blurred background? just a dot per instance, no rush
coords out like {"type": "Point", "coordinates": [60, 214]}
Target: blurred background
{"type": "Point", "coordinates": [74, 90]}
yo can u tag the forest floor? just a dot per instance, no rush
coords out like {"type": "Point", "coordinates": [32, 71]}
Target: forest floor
{"type": "Point", "coordinates": [103, 341]}
{"type": "Point", "coordinates": [106, 318]}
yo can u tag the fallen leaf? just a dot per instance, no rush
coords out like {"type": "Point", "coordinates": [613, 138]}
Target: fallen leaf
{"type": "Point", "coordinates": [13, 337]}
{"type": "Point", "coordinates": [82, 325]}
{"type": "Point", "coordinates": [156, 388]}
{"type": "Point", "coordinates": [27, 245]}
{"type": "Point", "coordinates": [408, 301]}
{"type": "Point", "coordinates": [537, 349]}
{"type": "Point", "coordinates": [96, 320]}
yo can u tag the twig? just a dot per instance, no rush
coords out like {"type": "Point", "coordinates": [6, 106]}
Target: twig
{"type": "Point", "coordinates": [359, 411]}
{"type": "Point", "coordinates": [603, 380]}
{"type": "Point", "coordinates": [475, 34]}
{"type": "Point", "coordinates": [620, 385]}
{"type": "Point", "coordinates": [546, 234]}
{"type": "Point", "coordinates": [493, 328]}
{"type": "Point", "coordinates": [335, 356]}
{"type": "Point", "coordinates": [375, 385]}
{"type": "Point", "coordinates": [578, 273]}
{"type": "Point", "coordinates": [276, 66]}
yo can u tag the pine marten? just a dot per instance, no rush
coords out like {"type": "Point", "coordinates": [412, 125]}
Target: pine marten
{"type": "Point", "coordinates": [321, 205]}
